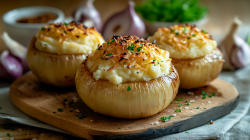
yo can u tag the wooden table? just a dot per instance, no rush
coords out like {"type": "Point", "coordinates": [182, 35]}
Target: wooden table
{"type": "Point", "coordinates": [221, 14]}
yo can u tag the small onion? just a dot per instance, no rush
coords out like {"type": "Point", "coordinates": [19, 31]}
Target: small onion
{"type": "Point", "coordinates": [126, 22]}
{"type": "Point", "coordinates": [143, 100]}
{"type": "Point", "coordinates": [10, 67]}
{"type": "Point", "coordinates": [88, 15]}
{"type": "Point", "coordinates": [235, 50]}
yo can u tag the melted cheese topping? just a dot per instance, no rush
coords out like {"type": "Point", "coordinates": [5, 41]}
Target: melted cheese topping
{"type": "Point", "coordinates": [72, 38]}
{"type": "Point", "coordinates": [128, 59]}
{"type": "Point", "coordinates": [184, 41]}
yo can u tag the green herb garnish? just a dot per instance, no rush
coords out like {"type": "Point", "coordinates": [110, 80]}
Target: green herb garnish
{"type": "Point", "coordinates": [80, 116]}
{"type": "Point", "coordinates": [100, 57]}
{"type": "Point", "coordinates": [177, 33]}
{"type": "Point", "coordinates": [109, 54]}
{"type": "Point", "coordinates": [112, 41]}
{"type": "Point", "coordinates": [188, 37]}
{"type": "Point", "coordinates": [180, 99]}
{"type": "Point", "coordinates": [42, 29]}
{"type": "Point", "coordinates": [12, 129]}
{"type": "Point", "coordinates": [210, 96]}
{"type": "Point", "coordinates": [187, 132]}
{"type": "Point", "coordinates": [171, 103]}
{"type": "Point", "coordinates": [188, 103]}
{"type": "Point", "coordinates": [178, 110]}
{"type": "Point", "coordinates": [8, 134]}
{"type": "Point", "coordinates": [197, 107]}
{"type": "Point", "coordinates": [194, 35]}
{"type": "Point", "coordinates": [119, 128]}
{"type": "Point", "coordinates": [205, 108]}
{"type": "Point", "coordinates": [176, 102]}
{"type": "Point", "coordinates": [131, 48]}
{"type": "Point", "coordinates": [128, 89]}
{"type": "Point", "coordinates": [215, 94]}
{"type": "Point", "coordinates": [139, 49]}
{"type": "Point", "coordinates": [70, 110]}
{"type": "Point", "coordinates": [65, 100]}
{"type": "Point", "coordinates": [204, 94]}
{"type": "Point", "coordinates": [137, 72]}
{"type": "Point", "coordinates": [172, 30]}
{"type": "Point", "coordinates": [65, 23]}
{"type": "Point", "coordinates": [107, 42]}
{"type": "Point", "coordinates": [184, 31]}
{"type": "Point", "coordinates": [65, 32]}
{"type": "Point", "coordinates": [54, 112]}
{"type": "Point", "coordinates": [165, 119]}
{"type": "Point", "coordinates": [60, 110]}
{"type": "Point", "coordinates": [99, 48]}
{"type": "Point", "coordinates": [179, 105]}
{"type": "Point", "coordinates": [204, 31]}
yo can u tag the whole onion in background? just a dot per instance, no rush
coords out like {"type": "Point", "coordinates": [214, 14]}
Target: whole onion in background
{"type": "Point", "coordinates": [88, 15]}
{"type": "Point", "coordinates": [236, 51]}
{"type": "Point", "coordinates": [126, 22]}
{"type": "Point", "coordinates": [10, 66]}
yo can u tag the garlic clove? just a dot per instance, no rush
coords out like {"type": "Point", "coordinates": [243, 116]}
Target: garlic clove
{"type": "Point", "coordinates": [126, 22]}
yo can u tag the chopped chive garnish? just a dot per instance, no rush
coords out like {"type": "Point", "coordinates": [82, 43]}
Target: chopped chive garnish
{"type": "Point", "coordinates": [65, 100]}
{"type": "Point", "coordinates": [109, 54]}
{"type": "Point", "coordinates": [194, 35]}
{"type": "Point", "coordinates": [188, 103]}
{"type": "Point", "coordinates": [141, 44]}
{"type": "Point", "coordinates": [205, 108]}
{"type": "Point", "coordinates": [65, 32]}
{"type": "Point", "coordinates": [197, 107]}
{"type": "Point", "coordinates": [42, 29]}
{"type": "Point", "coordinates": [178, 110]}
{"type": "Point", "coordinates": [131, 48]}
{"type": "Point", "coordinates": [214, 94]}
{"type": "Point", "coordinates": [204, 97]}
{"type": "Point", "coordinates": [137, 72]}
{"type": "Point", "coordinates": [119, 128]}
{"type": "Point", "coordinates": [172, 30]}
{"type": "Point", "coordinates": [177, 33]}
{"type": "Point", "coordinates": [210, 96]}
{"type": "Point", "coordinates": [204, 31]}
{"type": "Point", "coordinates": [176, 102]}
{"type": "Point", "coordinates": [204, 94]}
{"type": "Point", "coordinates": [187, 132]}
{"type": "Point", "coordinates": [180, 99]}
{"type": "Point", "coordinates": [171, 103]}
{"type": "Point", "coordinates": [107, 42]}
{"type": "Point", "coordinates": [139, 49]}
{"type": "Point", "coordinates": [70, 110]}
{"type": "Point", "coordinates": [65, 23]}
{"type": "Point", "coordinates": [188, 37]}
{"type": "Point", "coordinates": [99, 48]}
{"type": "Point", "coordinates": [161, 61]}
{"type": "Point", "coordinates": [112, 41]}
{"type": "Point", "coordinates": [8, 134]}
{"type": "Point", "coordinates": [60, 110]}
{"type": "Point", "coordinates": [54, 112]}
{"type": "Point", "coordinates": [165, 119]}
{"type": "Point", "coordinates": [100, 57]}
{"type": "Point", "coordinates": [128, 89]}
{"type": "Point", "coordinates": [154, 60]}
{"type": "Point", "coordinates": [154, 65]}
{"type": "Point", "coordinates": [184, 31]}
{"type": "Point", "coordinates": [179, 105]}
{"type": "Point", "coordinates": [80, 116]}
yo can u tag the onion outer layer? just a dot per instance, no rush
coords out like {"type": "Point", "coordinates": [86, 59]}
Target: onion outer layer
{"type": "Point", "coordinates": [199, 72]}
{"type": "Point", "coordinates": [143, 100]}
{"type": "Point", "coordinates": [54, 69]}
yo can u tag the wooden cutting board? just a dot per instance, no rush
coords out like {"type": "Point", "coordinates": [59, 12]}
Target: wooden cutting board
{"type": "Point", "coordinates": [42, 101]}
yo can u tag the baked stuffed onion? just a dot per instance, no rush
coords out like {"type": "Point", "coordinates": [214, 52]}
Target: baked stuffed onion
{"type": "Point", "coordinates": [57, 51]}
{"type": "Point", "coordinates": [194, 53]}
{"type": "Point", "coordinates": [127, 77]}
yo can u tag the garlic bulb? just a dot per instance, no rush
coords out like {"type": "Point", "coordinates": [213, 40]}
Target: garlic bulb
{"type": "Point", "coordinates": [235, 50]}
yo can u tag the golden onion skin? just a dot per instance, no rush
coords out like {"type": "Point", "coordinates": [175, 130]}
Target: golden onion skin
{"type": "Point", "coordinates": [54, 69]}
{"type": "Point", "coordinates": [143, 100]}
{"type": "Point", "coordinates": [199, 72]}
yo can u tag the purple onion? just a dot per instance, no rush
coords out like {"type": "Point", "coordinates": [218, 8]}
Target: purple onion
{"type": "Point", "coordinates": [126, 22]}
{"type": "Point", "coordinates": [10, 67]}
{"type": "Point", "coordinates": [87, 11]}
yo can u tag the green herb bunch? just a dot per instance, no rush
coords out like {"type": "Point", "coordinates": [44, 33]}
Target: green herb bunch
{"type": "Point", "coordinates": [171, 10]}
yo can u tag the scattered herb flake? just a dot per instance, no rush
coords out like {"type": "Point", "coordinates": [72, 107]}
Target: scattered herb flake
{"type": "Point", "coordinates": [119, 128]}
{"type": "Point", "coordinates": [141, 45]}
{"type": "Point", "coordinates": [54, 112]}
{"type": "Point", "coordinates": [214, 94]}
{"type": "Point", "coordinates": [184, 31]}
{"type": "Point", "coordinates": [60, 110]}
{"type": "Point", "coordinates": [112, 41]}
{"type": "Point", "coordinates": [171, 103]}
{"type": "Point", "coordinates": [165, 119]}
{"type": "Point", "coordinates": [205, 108]}
{"type": "Point", "coordinates": [210, 96]}
{"type": "Point", "coordinates": [161, 61]}
{"type": "Point", "coordinates": [107, 42]}
{"type": "Point", "coordinates": [203, 31]}
{"type": "Point", "coordinates": [137, 72]}
{"type": "Point", "coordinates": [70, 110]}
{"type": "Point", "coordinates": [100, 57]}
{"type": "Point", "coordinates": [188, 37]}
{"type": "Point", "coordinates": [197, 107]}
{"type": "Point", "coordinates": [12, 129]}
{"type": "Point", "coordinates": [99, 48]}
{"type": "Point", "coordinates": [180, 99]}
{"type": "Point", "coordinates": [8, 134]}
{"type": "Point", "coordinates": [172, 30]}
{"type": "Point", "coordinates": [187, 132]}
{"type": "Point", "coordinates": [128, 89]}
{"type": "Point", "coordinates": [80, 116]}
{"type": "Point", "coordinates": [65, 100]}
{"type": "Point", "coordinates": [179, 105]}
{"type": "Point", "coordinates": [42, 29]}
{"type": "Point", "coordinates": [109, 54]}
{"type": "Point", "coordinates": [65, 23]}
{"type": "Point", "coordinates": [131, 48]}
{"type": "Point", "coordinates": [176, 102]}
{"type": "Point", "coordinates": [177, 33]}
{"type": "Point", "coordinates": [188, 103]}
{"type": "Point", "coordinates": [154, 60]}
{"type": "Point", "coordinates": [204, 97]}
{"type": "Point", "coordinates": [194, 35]}
{"type": "Point", "coordinates": [178, 110]}
{"type": "Point", "coordinates": [139, 49]}
{"type": "Point", "coordinates": [65, 32]}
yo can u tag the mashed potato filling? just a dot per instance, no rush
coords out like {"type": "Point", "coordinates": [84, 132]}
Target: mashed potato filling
{"type": "Point", "coordinates": [72, 38]}
{"type": "Point", "coordinates": [184, 41]}
{"type": "Point", "coordinates": [128, 59]}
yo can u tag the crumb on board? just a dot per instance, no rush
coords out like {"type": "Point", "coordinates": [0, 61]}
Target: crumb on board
{"type": "Point", "coordinates": [191, 101]}
{"type": "Point", "coordinates": [211, 122]}
{"type": "Point", "coordinates": [191, 93]}
{"type": "Point", "coordinates": [192, 111]}
{"type": "Point", "coordinates": [174, 115]}
{"type": "Point", "coordinates": [186, 107]}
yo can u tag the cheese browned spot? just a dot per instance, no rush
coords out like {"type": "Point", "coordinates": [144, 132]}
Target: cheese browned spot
{"type": "Point", "coordinates": [72, 38]}
{"type": "Point", "coordinates": [184, 41]}
{"type": "Point", "coordinates": [128, 59]}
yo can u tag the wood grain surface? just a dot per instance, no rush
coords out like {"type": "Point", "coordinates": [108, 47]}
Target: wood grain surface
{"type": "Point", "coordinates": [42, 101]}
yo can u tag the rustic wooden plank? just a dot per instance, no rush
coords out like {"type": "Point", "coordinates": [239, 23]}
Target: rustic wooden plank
{"type": "Point", "coordinates": [40, 101]}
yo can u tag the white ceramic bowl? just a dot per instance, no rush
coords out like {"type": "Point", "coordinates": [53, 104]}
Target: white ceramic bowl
{"type": "Point", "coordinates": [23, 32]}
{"type": "Point", "coordinates": [152, 27]}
